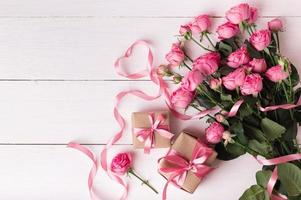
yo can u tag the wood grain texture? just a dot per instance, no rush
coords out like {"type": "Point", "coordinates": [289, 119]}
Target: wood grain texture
{"type": "Point", "coordinates": [135, 8]}
{"type": "Point", "coordinates": [55, 172]}
{"type": "Point", "coordinates": [85, 49]}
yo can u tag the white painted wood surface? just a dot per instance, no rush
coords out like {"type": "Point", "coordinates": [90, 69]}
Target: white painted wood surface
{"type": "Point", "coordinates": [57, 84]}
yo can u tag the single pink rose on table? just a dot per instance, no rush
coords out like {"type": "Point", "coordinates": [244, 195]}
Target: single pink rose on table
{"type": "Point", "coordinates": [200, 24]}
{"type": "Point", "coordinates": [176, 55]}
{"type": "Point", "coordinates": [181, 98]}
{"type": "Point", "coordinates": [192, 79]}
{"type": "Point", "coordinates": [276, 74]}
{"type": "Point", "coordinates": [234, 79]}
{"type": "Point", "coordinates": [227, 30]}
{"type": "Point", "coordinates": [215, 83]}
{"type": "Point", "coordinates": [214, 133]}
{"type": "Point", "coordinates": [252, 85]}
{"type": "Point", "coordinates": [275, 25]}
{"type": "Point", "coordinates": [238, 57]}
{"type": "Point", "coordinates": [238, 14]}
{"type": "Point", "coordinates": [208, 63]}
{"type": "Point", "coordinates": [258, 65]}
{"type": "Point", "coordinates": [253, 15]}
{"type": "Point", "coordinates": [121, 164]}
{"type": "Point", "coordinates": [261, 39]}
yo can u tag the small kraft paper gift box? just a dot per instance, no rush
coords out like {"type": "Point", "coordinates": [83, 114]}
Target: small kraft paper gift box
{"type": "Point", "coordinates": [187, 162]}
{"type": "Point", "coordinates": [151, 130]}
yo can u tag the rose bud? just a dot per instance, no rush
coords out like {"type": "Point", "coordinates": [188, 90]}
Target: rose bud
{"type": "Point", "coordinates": [258, 65]}
{"type": "Point", "coordinates": [238, 57]}
{"type": "Point", "coordinates": [238, 14]}
{"type": "Point", "coordinates": [208, 63]}
{"type": "Point", "coordinates": [163, 70]}
{"type": "Point", "coordinates": [252, 85]}
{"type": "Point", "coordinates": [200, 24]}
{"type": "Point", "coordinates": [276, 74]}
{"type": "Point", "coordinates": [234, 79]}
{"type": "Point", "coordinates": [220, 118]}
{"type": "Point", "coordinates": [214, 133]}
{"type": "Point", "coordinates": [181, 98]}
{"type": "Point", "coordinates": [227, 136]}
{"type": "Point", "coordinates": [261, 39]}
{"type": "Point", "coordinates": [184, 29]}
{"type": "Point", "coordinates": [227, 30]}
{"type": "Point", "coordinates": [192, 79]}
{"type": "Point", "coordinates": [253, 15]}
{"type": "Point", "coordinates": [215, 83]}
{"type": "Point", "coordinates": [275, 25]}
{"type": "Point", "coordinates": [177, 78]}
{"type": "Point", "coordinates": [121, 163]}
{"type": "Point", "coordinates": [176, 56]}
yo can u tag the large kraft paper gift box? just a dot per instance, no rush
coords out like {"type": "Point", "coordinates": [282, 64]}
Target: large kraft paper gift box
{"type": "Point", "coordinates": [141, 120]}
{"type": "Point", "coordinates": [184, 145]}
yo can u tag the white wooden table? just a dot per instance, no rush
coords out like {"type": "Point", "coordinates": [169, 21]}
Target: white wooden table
{"type": "Point", "coordinates": [57, 84]}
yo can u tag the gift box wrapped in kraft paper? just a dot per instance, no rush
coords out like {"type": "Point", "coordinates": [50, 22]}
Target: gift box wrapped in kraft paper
{"type": "Point", "coordinates": [151, 130]}
{"type": "Point", "coordinates": [187, 162]}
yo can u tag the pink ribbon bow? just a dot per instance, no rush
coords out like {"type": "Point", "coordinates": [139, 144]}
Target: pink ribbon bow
{"type": "Point", "coordinates": [274, 176]}
{"type": "Point", "coordinates": [181, 166]}
{"type": "Point", "coordinates": [147, 135]}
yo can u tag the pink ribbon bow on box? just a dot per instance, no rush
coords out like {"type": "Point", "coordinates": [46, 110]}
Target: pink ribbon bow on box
{"type": "Point", "coordinates": [181, 166]}
{"type": "Point", "coordinates": [147, 135]}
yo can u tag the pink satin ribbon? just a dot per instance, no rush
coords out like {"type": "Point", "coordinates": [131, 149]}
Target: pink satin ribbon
{"type": "Point", "coordinates": [274, 176]}
{"type": "Point", "coordinates": [283, 106]}
{"type": "Point", "coordinates": [181, 166]}
{"type": "Point", "coordinates": [147, 135]}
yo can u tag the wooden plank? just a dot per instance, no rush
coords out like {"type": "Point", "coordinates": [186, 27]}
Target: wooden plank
{"type": "Point", "coordinates": [137, 8]}
{"type": "Point", "coordinates": [55, 172]}
{"type": "Point", "coordinates": [58, 112]}
{"type": "Point", "coordinates": [44, 48]}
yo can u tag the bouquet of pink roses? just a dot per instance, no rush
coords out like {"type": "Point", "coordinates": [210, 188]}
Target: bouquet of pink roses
{"type": "Point", "coordinates": [254, 86]}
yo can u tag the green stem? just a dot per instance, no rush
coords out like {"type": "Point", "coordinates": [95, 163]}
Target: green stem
{"type": "Point", "coordinates": [201, 45]}
{"type": "Point", "coordinates": [208, 38]}
{"type": "Point", "coordinates": [278, 43]}
{"type": "Point", "coordinates": [287, 99]}
{"type": "Point", "coordinates": [131, 171]}
{"type": "Point", "coordinates": [186, 65]}
{"type": "Point", "coordinates": [267, 51]}
{"type": "Point", "coordinates": [190, 59]}
{"type": "Point", "coordinates": [199, 88]}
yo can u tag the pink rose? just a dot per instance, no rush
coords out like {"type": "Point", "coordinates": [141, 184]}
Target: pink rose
{"type": "Point", "coordinates": [252, 85]}
{"type": "Point", "coordinates": [234, 79]}
{"type": "Point", "coordinates": [238, 57]}
{"type": "Point", "coordinates": [214, 133]}
{"type": "Point", "coordinates": [220, 118]}
{"type": "Point", "coordinates": [276, 74]}
{"type": "Point", "coordinates": [215, 83]}
{"type": "Point", "coordinates": [200, 24]}
{"type": "Point", "coordinates": [238, 13]}
{"type": "Point", "coordinates": [184, 29]}
{"type": "Point", "coordinates": [275, 25]}
{"type": "Point", "coordinates": [176, 55]}
{"type": "Point", "coordinates": [208, 63]}
{"type": "Point", "coordinates": [121, 163]}
{"type": "Point", "coordinates": [181, 98]}
{"type": "Point", "coordinates": [258, 65]}
{"type": "Point", "coordinates": [192, 79]}
{"type": "Point", "coordinates": [227, 30]}
{"type": "Point", "coordinates": [253, 15]}
{"type": "Point", "coordinates": [261, 39]}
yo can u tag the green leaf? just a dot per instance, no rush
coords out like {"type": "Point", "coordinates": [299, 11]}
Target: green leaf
{"type": "Point", "coordinates": [237, 129]}
{"type": "Point", "coordinates": [255, 192]}
{"type": "Point", "coordinates": [254, 133]}
{"type": "Point", "coordinates": [294, 76]}
{"type": "Point", "coordinates": [271, 129]}
{"type": "Point", "coordinates": [226, 97]}
{"type": "Point", "coordinates": [263, 177]}
{"type": "Point", "coordinates": [252, 51]}
{"type": "Point", "coordinates": [262, 148]}
{"type": "Point", "coordinates": [223, 154]}
{"type": "Point", "coordinates": [224, 48]}
{"type": "Point", "coordinates": [290, 176]}
{"type": "Point", "coordinates": [235, 149]}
